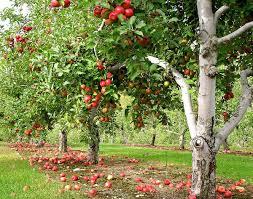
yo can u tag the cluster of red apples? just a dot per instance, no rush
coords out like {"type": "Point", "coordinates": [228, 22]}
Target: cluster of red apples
{"type": "Point", "coordinates": [20, 41]}
{"type": "Point", "coordinates": [92, 98]}
{"type": "Point", "coordinates": [112, 16]}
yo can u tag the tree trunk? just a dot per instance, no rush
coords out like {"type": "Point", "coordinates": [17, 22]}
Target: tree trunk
{"type": "Point", "coordinates": [203, 169]}
{"type": "Point", "coordinates": [93, 151]}
{"type": "Point", "coordinates": [182, 139]}
{"type": "Point", "coordinates": [63, 141]}
{"type": "Point", "coordinates": [153, 140]}
{"type": "Point", "coordinates": [203, 146]}
{"type": "Point", "coordinates": [124, 139]}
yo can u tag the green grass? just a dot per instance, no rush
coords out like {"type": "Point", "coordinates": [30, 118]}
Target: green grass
{"type": "Point", "coordinates": [16, 173]}
{"type": "Point", "coordinates": [228, 166]}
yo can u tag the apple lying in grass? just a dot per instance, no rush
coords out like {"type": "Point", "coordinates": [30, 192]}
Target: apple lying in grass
{"type": "Point", "coordinates": [192, 196]}
{"type": "Point", "coordinates": [108, 184]}
{"type": "Point", "coordinates": [63, 179]}
{"type": "Point", "coordinates": [92, 193]}
{"type": "Point", "coordinates": [74, 178]}
{"type": "Point", "coordinates": [166, 182]}
{"type": "Point", "coordinates": [77, 187]}
{"type": "Point", "coordinates": [228, 194]}
{"type": "Point", "coordinates": [221, 189]}
{"type": "Point", "coordinates": [86, 178]}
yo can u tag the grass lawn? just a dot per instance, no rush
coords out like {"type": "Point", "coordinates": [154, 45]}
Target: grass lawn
{"type": "Point", "coordinates": [228, 166]}
{"type": "Point", "coordinates": [15, 174]}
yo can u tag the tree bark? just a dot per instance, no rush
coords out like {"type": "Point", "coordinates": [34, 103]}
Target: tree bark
{"type": "Point", "coordinates": [124, 139]}
{"type": "Point", "coordinates": [153, 140]}
{"type": "Point", "coordinates": [93, 151]}
{"type": "Point", "coordinates": [63, 141]}
{"type": "Point", "coordinates": [203, 156]}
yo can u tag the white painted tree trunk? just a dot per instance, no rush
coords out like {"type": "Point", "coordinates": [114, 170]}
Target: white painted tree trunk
{"type": "Point", "coordinates": [203, 156]}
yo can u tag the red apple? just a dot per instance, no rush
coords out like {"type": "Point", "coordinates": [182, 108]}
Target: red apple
{"type": "Point", "coordinates": [92, 193]}
{"type": "Point", "coordinates": [27, 28]}
{"type": "Point", "coordinates": [94, 104]}
{"type": "Point", "coordinates": [113, 16]}
{"type": "Point", "coordinates": [83, 86]}
{"type": "Point", "coordinates": [129, 12]}
{"type": "Point", "coordinates": [86, 178]}
{"type": "Point", "coordinates": [102, 83]}
{"type": "Point", "coordinates": [192, 196]}
{"type": "Point", "coordinates": [63, 179]}
{"type": "Point", "coordinates": [98, 97]}
{"type": "Point", "coordinates": [221, 189]}
{"type": "Point", "coordinates": [126, 4]}
{"type": "Point", "coordinates": [122, 174]}
{"type": "Point", "coordinates": [62, 175]}
{"type": "Point", "coordinates": [74, 178]}
{"type": "Point", "coordinates": [109, 75]}
{"type": "Point", "coordinates": [108, 82]}
{"type": "Point", "coordinates": [66, 3]}
{"type": "Point", "coordinates": [87, 89]}
{"type": "Point", "coordinates": [119, 10]}
{"type": "Point", "coordinates": [55, 168]}
{"type": "Point", "coordinates": [108, 184]}
{"type": "Point", "coordinates": [166, 182]}
{"type": "Point", "coordinates": [77, 187]}
{"type": "Point", "coordinates": [187, 72]}
{"type": "Point", "coordinates": [87, 98]}
{"type": "Point", "coordinates": [55, 4]}
{"type": "Point", "coordinates": [228, 194]}
{"type": "Point", "coordinates": [97, 11]}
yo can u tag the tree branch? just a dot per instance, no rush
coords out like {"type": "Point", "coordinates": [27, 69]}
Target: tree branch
{"type": "Point", "coordinates": [95, 47]}
{"type": "Point", "coordinates": [218, 14]}
{"type": "Point", "coordinates": [236, 33]}
{"type": "Point", "coordinates": [186, 97]}
{"type": "Point", "coordinates": [245, 102]}
{"type": "Point", "coordinates": [115, 67]}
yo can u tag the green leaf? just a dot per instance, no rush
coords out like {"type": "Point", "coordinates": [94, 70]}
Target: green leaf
{"type": "Point", "coordinates": [153, 67]}
{"type": "Point", "coordinates": [139, 33]}
{"type": "Point", "coordinates": [132, 20]}
{"type": "Point", "coordinates": [140, 25]}
{"type": "Point", "coordinates": [157, 76]}
{"type": "Point", "coordinates": [173, 19]}
{"type": "Point", "coordinates": [66, 83]}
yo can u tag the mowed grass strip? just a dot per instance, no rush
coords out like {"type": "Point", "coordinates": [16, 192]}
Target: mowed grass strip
{"type": "Point", "coordinates": [229, 166]}
{"type": "Point", "coordinates": [16, 173]}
